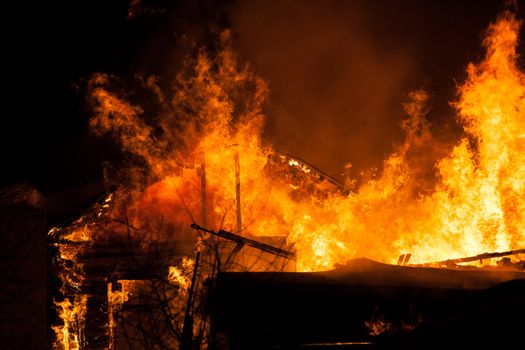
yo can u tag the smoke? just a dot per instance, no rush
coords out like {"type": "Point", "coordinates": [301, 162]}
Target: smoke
{"type": "Point", "coordinates": [339, 72]}
{"type": "Point", "coordinates": [335, 92]}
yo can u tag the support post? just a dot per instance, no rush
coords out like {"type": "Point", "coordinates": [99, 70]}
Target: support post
{"type": "Point", "coordinates": [186, 341]}
{"type": "Point", "coordinates": [238, 191]}
{"type": "Point", "coordinates": [203, 190]}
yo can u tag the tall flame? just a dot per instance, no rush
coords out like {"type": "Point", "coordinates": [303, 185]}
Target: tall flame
{"type": "Point", "coordinates": [212, 127]}
{"type": "Point", "coordinates": [199, 157]}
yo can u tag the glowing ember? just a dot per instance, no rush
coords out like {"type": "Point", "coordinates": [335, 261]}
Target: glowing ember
{"type": "Point", "coordinates": [181, 276]}
{"type": "Point", "coordinates": [69, 334]}
{"type": "Point", "coordinates": [378, 326]}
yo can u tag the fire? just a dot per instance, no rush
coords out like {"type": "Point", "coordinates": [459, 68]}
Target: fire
{"type": "Point", "coordinates": [68, 335]}
{"type": "Point", "coordinates": [480, 198]}
{"type": "Point", "coordinates": [200, 158]}
{"type": "Point", "coordinates": [181, 275]}
{"type": "Point", "coordinates": [210, 138]}
{"type": "Point", "coordinates": [378, 326]}
{"type": "Point", "coordinates": [118, 294]}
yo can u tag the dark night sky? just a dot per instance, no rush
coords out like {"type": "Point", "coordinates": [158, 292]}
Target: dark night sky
{"type": "Point", "coordinates": [338, 72]}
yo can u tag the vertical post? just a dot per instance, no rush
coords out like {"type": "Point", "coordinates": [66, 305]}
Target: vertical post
{"type": "Point", "coordinates": [203, 190]}
{"type": "Point", "coordinates": [238, 191]}
{"type": "Point", "coordinates": [114, 313]}
{"type": "Point", "coordinates": [186, 341]}
{"type": "Point", "coordinates": [96, 328]}
{"type": "Point", "coordinates": [240, 258]}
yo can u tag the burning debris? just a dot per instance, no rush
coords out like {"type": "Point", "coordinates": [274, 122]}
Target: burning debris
{"type": "Point", "coordinates": [197, 161]}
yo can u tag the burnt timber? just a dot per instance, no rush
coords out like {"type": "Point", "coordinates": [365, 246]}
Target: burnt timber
{"type": "Point", "coordinates": [479, 257]}
{"type": "Point", "coordinates": [415, 307]}
{"type": "Point", "coordinates": [240, 240]}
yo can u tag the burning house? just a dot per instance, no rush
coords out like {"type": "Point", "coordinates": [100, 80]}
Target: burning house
{"type": "Point", "coordinates": [207, 236]}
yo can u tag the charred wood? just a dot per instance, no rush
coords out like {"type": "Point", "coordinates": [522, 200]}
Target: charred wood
{"type": "Point", "coordinates": [480, 257]}
{"type": "Point", "coordinates": [247, 241]}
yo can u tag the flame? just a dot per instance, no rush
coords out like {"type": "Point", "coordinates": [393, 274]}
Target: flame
{"type": "Point", "coordinates": [72, 309]}
{"type": "Point", "coordinates": [478, 203]}
{"type": "Point", "coordinates": [117, 298]}
{"type": "Point", "coordinates": [201, 158]}
{"type": "Point", "coordinates": [378, 326]}
{"type": "Point", "coordinates": [181, 275]}
{"type": "Point", "coordinates": [68, 335]}
{"type": "Point", "coordinates": [208, 137]}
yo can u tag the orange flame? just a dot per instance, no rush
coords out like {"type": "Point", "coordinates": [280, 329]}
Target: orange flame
{"type": "Point", "coordinates": [68, 335]}
{"type": "Point", "coordinates": [215, 114]}
{"type": "Point", "coordinates": [181, 275]}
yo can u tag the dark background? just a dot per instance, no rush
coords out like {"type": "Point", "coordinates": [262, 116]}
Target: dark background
{"type": "Point", "coordinates": [338, 72]}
